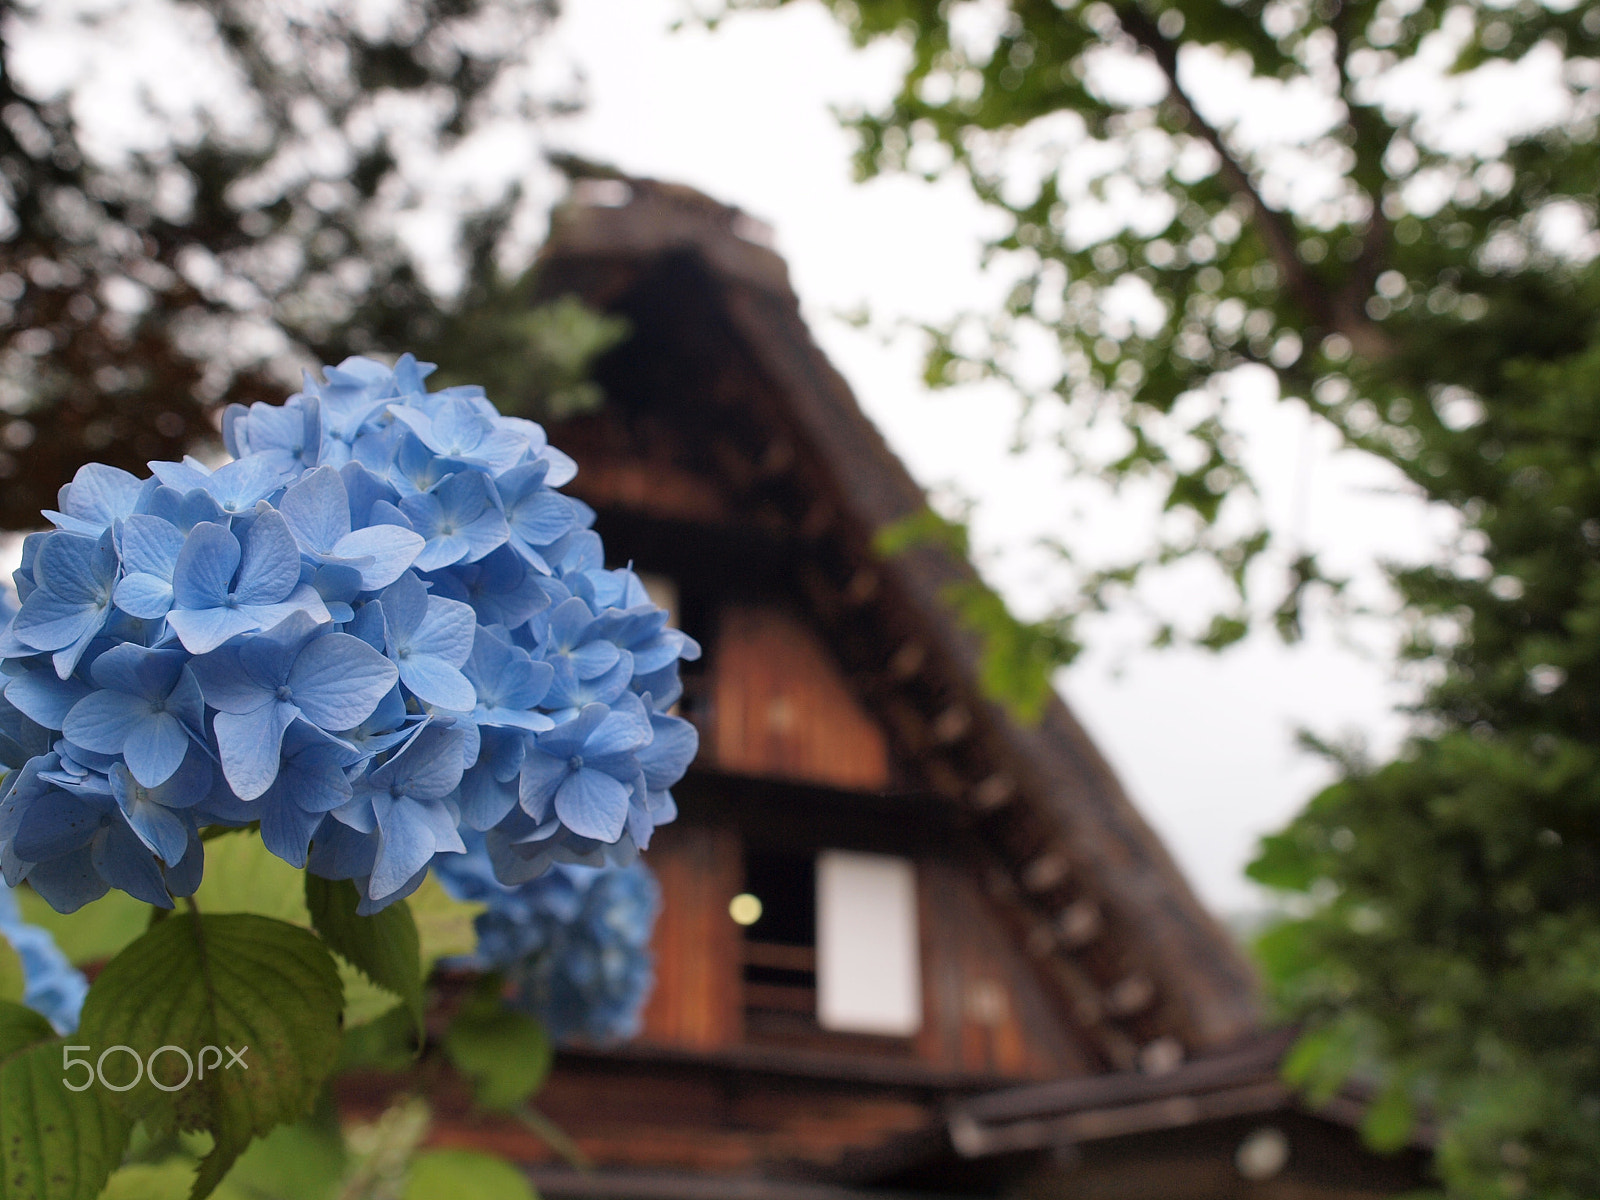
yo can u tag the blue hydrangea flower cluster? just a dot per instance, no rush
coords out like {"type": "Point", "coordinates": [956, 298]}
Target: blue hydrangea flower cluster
{"type": "Point", "coordinates": [52, 986]}
{"type": "Point", "coordinates": [378, 626]}
{"type": "Point", "coordinates": [574, 943]}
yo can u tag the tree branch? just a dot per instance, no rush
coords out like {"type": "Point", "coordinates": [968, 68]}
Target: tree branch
{"type": "Point", "coordinates": [1276, 229]}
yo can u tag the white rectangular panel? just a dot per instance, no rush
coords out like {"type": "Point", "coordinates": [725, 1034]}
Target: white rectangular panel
{"type": "Point", "coordinates": [869, 975]}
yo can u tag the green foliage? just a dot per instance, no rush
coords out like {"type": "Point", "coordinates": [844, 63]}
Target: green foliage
{"type": "Point", "coordinates": [1018, 657]}
{"type": "Point", "coordinates": [1446, 948]}
{"type": "Point", "coordinates": [504, 1052]}
{"type": "Point", "coordinates": [21, 1027]}
{"type": "Point", "coordinates": [384, 946]}
{"type": "Point", "coordinates": [447, 1174]}
{"type": "Point", "coordinates": [533, 359]}
{"type": "Point", "coordinates": [55, 1144]}
{"type": "Point", "coordinates": [146, 279]}
{"type": "Point", "coordinates": [96, 931]}
{"type": "Point", "coordinates": [226, 981]}
{"type": "Point", "coordinates": [12, 978]}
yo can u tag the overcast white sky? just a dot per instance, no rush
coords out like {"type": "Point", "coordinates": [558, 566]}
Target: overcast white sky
{"type": "Point", "coordinates": [1204, 744]}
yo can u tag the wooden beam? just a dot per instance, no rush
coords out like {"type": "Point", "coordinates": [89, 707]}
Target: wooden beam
{"type": "Point", "coordinates": [953, 724]}
{"type": "Point", "coordinates": [996, 790]}
{"type": "Point", "coordinates": [905, 662]}
{"type": "Point", "coordinates": [1047, 872]}
{"type": "Point", "coordinates": [1079, 924]}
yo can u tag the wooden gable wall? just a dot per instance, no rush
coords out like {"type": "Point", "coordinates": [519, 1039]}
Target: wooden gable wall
{"type": "Point", "coordinates": [795, 756]}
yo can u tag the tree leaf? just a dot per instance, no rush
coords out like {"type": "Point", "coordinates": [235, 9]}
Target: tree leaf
{"type": "Point", "coordinates": [384, 946]}
{"type": "Point", "coordinates": [56, 1144]}
{"type": "Point", "coordinates": [505, 1052]}
{"type": "Point", "coordinates": [448, 1174]}
{"type": "Point", "coordinates": [1388, 1121]}
{"type": "Point", "coordinates": [21, 1027]}
{"type": "Point", "coordinates": [264, 988]}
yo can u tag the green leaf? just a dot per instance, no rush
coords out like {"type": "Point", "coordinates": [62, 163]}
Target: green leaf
{"type": "Point", "coordinates": [13, 981]}
{"type": "Point", "coordinates": [96, 931]}
{"type": "Point", "coordinates": [242, 875]}
{"type": "Point", "coordinates": [151, 1181]}
{"type": "Point", "coordinates": [1388, 1121]}
{"type": "Point", "coordinates": [56, 1144]}
{"type": "Point", "coordinates": [449, 1174]}
{"type": "Point", "coordinates": [21, 1027]}
{"type": "Point", "coordinates": [444, 924]}
{"type": "Point", "coordinates": [388, 1042]}
{"type": "Point", "coordinates": [262, 987]}
{"type": "Point", "coordinates": [384, 946]}
{"type": "Point", "coordinates": [303, 1161]}
{"type": "Point", "coordinates": [504, 1052]}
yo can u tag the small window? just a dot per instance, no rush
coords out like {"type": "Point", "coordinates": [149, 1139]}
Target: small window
{"type": "Point", "coordinates": [869, 977]}
{"type": "Point", "coordinates": [780, 943]}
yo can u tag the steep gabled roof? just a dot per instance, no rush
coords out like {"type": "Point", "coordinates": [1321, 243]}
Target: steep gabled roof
{"type": "Point", "coordinates": [1142, 968]}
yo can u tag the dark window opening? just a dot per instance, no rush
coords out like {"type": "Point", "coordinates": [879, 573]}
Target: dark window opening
{"type": "Point", "coordinates": [780, 947]}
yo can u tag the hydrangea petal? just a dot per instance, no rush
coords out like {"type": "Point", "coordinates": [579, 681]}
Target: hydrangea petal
{"type": "Point", "coordinates": [593, 804]}
{"type": "Point", "coordinates": [338, 680]}
{"type": "Point", "coordinates": [249, 745]}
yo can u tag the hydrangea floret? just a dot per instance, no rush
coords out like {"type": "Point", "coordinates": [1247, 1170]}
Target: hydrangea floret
{"type": "Point", "coordinates": [573, 944]}
{"type": "Point", "coordinates": [52, 986]}
{"type": "Point", "coordinates": [377, 628]}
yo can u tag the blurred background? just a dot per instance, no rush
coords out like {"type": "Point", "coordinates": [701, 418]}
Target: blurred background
{"type": "Point", "coordinates": [1250, 347]}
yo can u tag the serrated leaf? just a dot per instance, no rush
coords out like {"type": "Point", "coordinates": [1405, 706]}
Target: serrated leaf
{"type": "Point", "coordinates": [21, 1027]}
{"type": "Point", "coordinates": [504, 1052]}
{"type": "Point", "coordinates": [384, 946]}
{"type": "Point", "coordinates": [55, 1144]}
{"type": "Point", "coordinates": [448, 1174]}
{"type": "Point", "coordinates": [237, 980]}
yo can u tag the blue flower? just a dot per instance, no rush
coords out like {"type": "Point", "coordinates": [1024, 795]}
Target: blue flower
{"type": "Point", "coordinates": [155, 814]}
{"type": "Point", "coordinates": [381, 621]}
{"type": "Point", "coordinates": [97, 497]}
{"type": "Point", "coordinates": [285, 437]}
{"type": "Point", "coordinates": [148, 710]}
{"type": "Point", "coordinates": [52, 986]}
{"type": "Point", "coordinates": [223, 586]}
{"type": "Point", "coordinates": [458, 430]}
{"type": "Point", "coordinates": [317, 510]}
{"type": "Point", "coordinates": [150, 547]}
{"type": "Point", "coordinates": [537, 516]}
{"type": "Point", "coordinates": [260, 686]}
{"type": "Point", "coordinates": [430, 639]}
{"type": "Point", "coordinates": [574, 944]}
{"type": "Point", "coordinates": [234, 487]}
{"type": "Point", "coordinates": [410, 803]}
{"type": "Point", "coordinates": [76, 576]}
{"type": "Point", "coordinates": [585, 770]}
{"type": "Point", "coordinates": [460, 519]}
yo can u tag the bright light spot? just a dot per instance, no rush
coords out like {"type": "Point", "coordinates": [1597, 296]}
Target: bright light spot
{"type": "Point", "coordinates": [745, 909]}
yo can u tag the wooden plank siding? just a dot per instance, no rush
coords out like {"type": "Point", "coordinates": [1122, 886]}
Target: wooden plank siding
{"type": "Point", "coordinates": [696, 1002]}
{"type": "Point", "coordinates": [984, 1009]}
{"type": "Point", "coordinates": [780, 707]}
